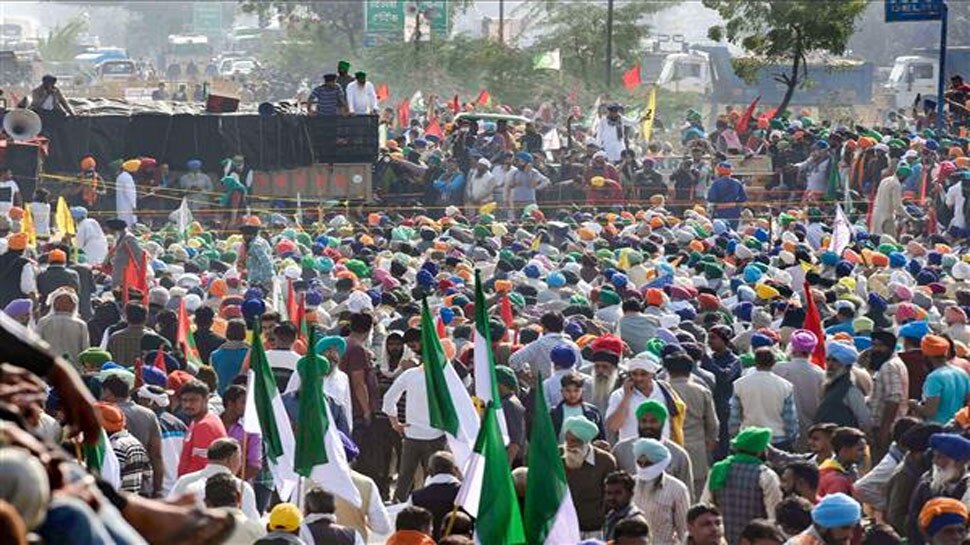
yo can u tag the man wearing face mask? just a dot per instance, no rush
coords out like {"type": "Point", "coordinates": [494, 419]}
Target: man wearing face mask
{"type": "Point", "coordinates": [947, 478]}
{"type": "Point", "coordinates": [663, 499]}
{"type": "Point", "coordinates": [586, 468]}
{"type": "Point", "coordinates": [651, 418]}
{"type": "Point", "coordinates": [835, 520]}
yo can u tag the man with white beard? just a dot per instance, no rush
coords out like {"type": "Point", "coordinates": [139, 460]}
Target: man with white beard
{"type": "Point", "coordinates": [586, 468]}
{"type": "Point", "coordinates": [606, 353]}
{"type": "Point", "coordinates": [947, 478]}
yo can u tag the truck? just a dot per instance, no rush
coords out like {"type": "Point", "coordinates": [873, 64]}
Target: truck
{"type": "Point", "coordinates": [917, 74]}
{"type": "Point", "coordinates": [708, 70]}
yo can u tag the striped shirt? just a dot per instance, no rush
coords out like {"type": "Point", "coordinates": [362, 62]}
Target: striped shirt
{"type": "Point", "coordinates": [136, 469]}
{"type": "Point", "coordinates": [891, 384]}
{"type": "Point", "coordinates": [664, 503]}
{"type": "Point", "coordinates": [329, 99]}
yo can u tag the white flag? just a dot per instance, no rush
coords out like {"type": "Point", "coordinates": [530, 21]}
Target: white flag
{"type": "Point", "coordinates": [550, 60]}
{"type": "Point", "coordinates": [181, 217]}
{"type": "Point", "coordinates": [841, 231]}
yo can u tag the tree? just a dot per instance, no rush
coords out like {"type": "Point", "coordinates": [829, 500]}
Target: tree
{"type": "Point", "coordinates": [61, 43]}
{"type": "Point", "coordinates": [578, 29]}
{"type": "Point", "coordinates": [781, 31]}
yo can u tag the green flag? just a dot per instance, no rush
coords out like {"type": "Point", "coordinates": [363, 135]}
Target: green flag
{"type": "Point", "coordinates": [441, 408]}
{"type": "Point", "coordinates": [264, 390]}
{"type": "Point", "coordinates": [488, 493]}
{"type": "Point", "coordinates": [313, 420]}
{"type": "Point", "coordinates": [550, 516]}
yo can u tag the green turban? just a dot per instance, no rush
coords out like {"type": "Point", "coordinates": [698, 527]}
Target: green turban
{"type": "Point", "coordinates": [904, 171]}
{"type": "Point", "coordinates": [609, 297]}
{"type": "Point", "coordinates": [322, 362]}
{"type": "Point", "coordinates": [747, 360]}
{"type": "Point", "coordinates": [93, 358]}
{"type": "Point", "coordinates": [506, 376]}
{"type": "Point", "coordinates": [655, 346]}
{"type": "Point", "coordinates": [581, 428]}
{"type": "Point", "coordinates": [752, 440]}
{"type": "Point", "coordinates": [332, 341]}
{"type": "Point", "coordinates": [358, 267]}
{"type": "Point", "coordinates": [747, 445]}
{"type": "Point", "coordinates": [713, 271]}
{"type": "Point", "coordinates": [654, 407]}
{"type": "Point", "coordinates": [343, 66]}
{"type": "Point", "coordinates": [517, 300]}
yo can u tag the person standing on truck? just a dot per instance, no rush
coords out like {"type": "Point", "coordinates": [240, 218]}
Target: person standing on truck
{"type": "Point", "coordinates": [727, 194]}
{"type": "Point", "coordinates": [957, 97]}
{"type": "Point", "coordinates": [49, 103]}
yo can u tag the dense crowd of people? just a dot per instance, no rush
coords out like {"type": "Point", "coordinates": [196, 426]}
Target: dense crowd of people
{"type": "Point", "coordinates": [716, 369]}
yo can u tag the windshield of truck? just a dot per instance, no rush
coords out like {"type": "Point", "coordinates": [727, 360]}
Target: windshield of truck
{"type": "Point", "coordinates": [683, 70]}
{"type": "Point", "coordinates": [897, 72]}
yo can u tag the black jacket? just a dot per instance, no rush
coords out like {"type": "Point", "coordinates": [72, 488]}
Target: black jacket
{"type": "Point", "coordinates": [589, 411]}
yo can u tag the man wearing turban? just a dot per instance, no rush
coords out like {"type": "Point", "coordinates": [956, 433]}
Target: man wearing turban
{"type": "Point", "coordinates": [890, 388]}
{"type": "Point", "coordinates": [807, 379]}
{"type": "Point", "coordinates": [916, 462]}
{"type": "Point", "coordinates": [586, 468]}
{"type": "Point", "coordinates": [651, 419]}
{"type": "Point", "coordinates": [662, 498]}
{"type": "Point", "coordinates": [948, 478]}
{"type": "Point", "coordinates": [126, 197]}
{"type": "Point", "coordinates": [835, 520]}
{"type": "Point", "coordinates": [196, 182]}
{"type": "Point", "coordinates": [133, 461]}
{"type": "Point", "coordinates": [842, 402]}
{"type": "Point", "coordinates": [741, 485]}
{"type": "Point", "coordinates": [947, 388]}
{"type": "Point", "coordinates": [944, 521]}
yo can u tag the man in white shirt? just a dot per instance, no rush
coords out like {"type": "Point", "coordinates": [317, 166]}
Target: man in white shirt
{"type": "Point", "coordinates": [621, 412]}
{"type": "Point", "coordinates": [9, 192]}
{"type": "Point", "coordinates": [361, 96]}
{"type": "Point", "coordinates": [282, 359]}
{"type": "Point", "coordinates": [955, 202]}
{"type": "Point", "coordinates": [336, 383]}
{"type": "Point", "coordinates": [480, 186]}
{"type": "Point", "coordinates": [420, 439]}
{"type": "Point", "coordinates": [224, 456]}
{"type": "Point", "coordinates": [90, 236]}
{"type": "Point", "coordinates": [126, 196]}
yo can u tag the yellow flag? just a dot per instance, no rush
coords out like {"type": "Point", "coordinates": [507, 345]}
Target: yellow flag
{"type": "Point", "coordinates": [27, 226]}
{"type": "Point", "coordinates": [535, 243]}
{"type": "Point", "coordinates": [65, 221]}
{"type": "Point", "coordinates": [649, 114]}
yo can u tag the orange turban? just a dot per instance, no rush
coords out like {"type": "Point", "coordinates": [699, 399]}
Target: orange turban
{"type": "Point", "coordinates": [218, 288]}
{"type": "Point", "coordinates": [111, 417]}
{"type": "Point", "coordinates": [655, 297]}
{"type": "Point", "coordinates": [17, 241]}
{"type": "Point", "coordinates": [503, 286]}
{"type": "Point", "coordinates": [940, 512]}
{"type": "Point", "coordinates": [934, 346]}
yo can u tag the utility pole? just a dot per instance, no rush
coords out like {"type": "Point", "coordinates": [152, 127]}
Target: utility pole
{"type": "Point", "coordinates": [501, 21]}
{"type": "Point", "coordinates": [609, 44]}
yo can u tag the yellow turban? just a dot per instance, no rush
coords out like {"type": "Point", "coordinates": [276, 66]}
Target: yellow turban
{"type": "Point", "coordinates": [131, 165]}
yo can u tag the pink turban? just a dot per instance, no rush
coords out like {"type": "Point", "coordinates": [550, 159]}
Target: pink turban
{"type": "Point", "coordinates": [803, 340]}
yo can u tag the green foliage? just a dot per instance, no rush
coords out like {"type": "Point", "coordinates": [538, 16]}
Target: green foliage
{"type": "Point", "coordinates": [786, 31]}
{"type": "Point", "coordinates": [61, 43]}
{"type": "Point", "coordinates": [579, 30]}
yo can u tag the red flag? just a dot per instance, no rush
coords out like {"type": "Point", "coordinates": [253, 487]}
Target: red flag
{"type": "Point", "coordinates": [455, 105]}
{"type": "Point", "coordinates": [404, 113]}
{"type": "Point", "coordinates": [383, 92]}
{"type": "Point", "coordinates": [505, 312]}
{"type": "Point", "coordinates": [160, 360]}
{"type": "Point", "coordinates": [439, 326]}
{"type": "Point", "coordinates": [434, 128]}
{"type": "Point", "coordinates": [484, 98]}
{"type": "Point", "coordinates": [301, 325]}
{"type": "Point", "coordinates": [631, 79]}
{"type": "Point", "coordinates": [813, 323]}
{"type": "Point", "coordinates": [135, 277]}
{"type": "Point", "coordinates": [742, 125]}
{"type": "Point", "coordinates": [292, 308]}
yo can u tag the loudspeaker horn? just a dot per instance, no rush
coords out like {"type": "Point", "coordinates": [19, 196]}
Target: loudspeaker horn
{"type": "Point", "coordinates": [22, 124]}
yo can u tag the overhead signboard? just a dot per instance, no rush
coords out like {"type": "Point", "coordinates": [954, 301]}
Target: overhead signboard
{"type": "Point", "coordinates": [396, 20]}
{"type": "Point", "coordinates": [913, 10]}
{"type": "Point", "coordinates": [207, 18]}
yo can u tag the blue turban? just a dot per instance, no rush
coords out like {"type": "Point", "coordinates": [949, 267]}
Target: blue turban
{"type": "Point", "coordinates": [762, 235]}
{"type": "Point", "coordinates": [581, 428]}
{"type": "Point", "coordinates": [843, 268]}
{"type": "Point", "coordinates": [253, 293]}
{"type": "Point", "coordinates": [562, 356]}
{"type": "Point", "coordinates": [914, 330]}
{"type": "Point", "coordinates": [430, 267]}
{"type": "Point", "coordinates": [555, 279]}
{"type": "Point", "coordinates": [829, 258]}
{"type": "Point", "coordinates": [932, 145]}
{"type": "Point", "coordinates": [876, 302]}
{"type": "Point", "coordinates": [312, 298]}
{"type": "Point", "coordinates": [836, 511]}
{"type": "Point", "coordinates": [653, 450]}
{"type": "Point", "coordinates": [843, 353]}
{"type": "Point", "coordinates": [925, 277]}
{"type": "Point", "coordinates": [79, 212]}
{"type": "Point", "coordinates": [325, 264]}
{"type": "Point", "coordinates": [252, 309]}
{"type": "Point", "coordinates": [951, 445]}
{"type": "Point", "coordinates": [934, 258]}
{"type": "Point", "coordinates": [332, 341]}
{"type": "Point", "coordinates": [743, 311]}
{"type": "Point", "coordinates": [897, 260]}
{"type": "Point", "coordinates": [193, 164]}
{"type": "Point", "coordinates": [686, 314]}
{"type": "Point", "coordinates": [153, 376]}
{"type": "Point", "coordinates": [523, 156]}
{"type": "Point", "coordinates": [574, 330]}
{"type": "Point", "coordinates": [760, 340]}
{"type": "Point", "coordinates": [425, 278]}
{"type": "Point", "coordinates": [752, 274]}
{"type": "Point", "coordinates": [532, 271]}
{"type": "Point", "coordinates": [619, 280]}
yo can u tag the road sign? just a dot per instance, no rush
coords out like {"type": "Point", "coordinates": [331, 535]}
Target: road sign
{"type": "Point", "coordinates": [913, 10]}
{"type": "Point", "coordinates": [207, 18]}
{"type": "Point", "coordinates": [391, 19]}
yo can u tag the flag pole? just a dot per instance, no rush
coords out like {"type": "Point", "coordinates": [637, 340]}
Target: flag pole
{"type": "Point", "coordinates": [451, 520]}
{"type": "Point", "coordinates": [245, 451]}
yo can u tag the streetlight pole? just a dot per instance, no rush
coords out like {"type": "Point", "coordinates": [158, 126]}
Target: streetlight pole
{"type": "Point", "coordinates": [609, 44]}
{"type": "Point", "coordinates": [501, 21]}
